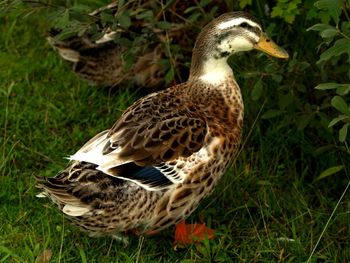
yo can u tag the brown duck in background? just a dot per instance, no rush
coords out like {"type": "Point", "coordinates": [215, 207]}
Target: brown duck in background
{"type": "Point", "coordinates": [169, 149]}
{"type": "Point", "coordinates": [101, 62]}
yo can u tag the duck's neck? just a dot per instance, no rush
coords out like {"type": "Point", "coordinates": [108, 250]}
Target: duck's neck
{"type": "Point", "coordinates": [213, 71]}
{"type": "Point", "coordinates": [208, 64]}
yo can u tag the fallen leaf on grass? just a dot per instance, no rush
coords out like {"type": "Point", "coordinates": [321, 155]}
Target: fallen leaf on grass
{"type": "Point", "coordinates": [186, 234]}
{"type": "Point", "coordinates": [44, 257]}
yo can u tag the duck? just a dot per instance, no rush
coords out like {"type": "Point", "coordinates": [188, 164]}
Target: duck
{"type": "Point", "coordinates": [102, 63]}
{"type": "Point", "coordinates": [106, 62]}
{"type": "Point", "coordinates": [169, 149]}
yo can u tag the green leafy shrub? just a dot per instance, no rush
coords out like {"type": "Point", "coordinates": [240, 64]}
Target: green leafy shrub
{"type": "Point", "coordinates": [336, 37]}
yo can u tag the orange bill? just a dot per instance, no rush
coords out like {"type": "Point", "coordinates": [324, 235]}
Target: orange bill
{"type": "Point", "coordinates": [266, 45]}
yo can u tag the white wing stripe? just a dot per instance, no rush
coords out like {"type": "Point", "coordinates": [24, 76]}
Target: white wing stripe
{"type": "Point", "coordinates": [92, 152]}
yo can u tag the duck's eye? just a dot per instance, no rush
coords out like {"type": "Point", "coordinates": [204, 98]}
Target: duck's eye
{"type": "Point", "coordinates": [247, 26]}
{"type": "Point", "coordinates": [244, 25]}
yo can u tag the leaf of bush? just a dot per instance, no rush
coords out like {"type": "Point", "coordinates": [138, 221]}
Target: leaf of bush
{"type": "Point", "coordinates": [325, 86]}
{"type": "Point", "coordinates": [276, 11]}
{"type": "Point", "coordinates": [272, 114]}
{"type": "Point", "coordinates": [66, 34]}
{"type": "Point", "coordinates": [194, 17]}
{"type": "Point", "coordinates": [145, 15]}
{"type": "Point", "coordinates": [81, 8]}
{"type": "Point", "coordinates": [329, 33]}
{"type": "Point", "coordinates": [332, 6]}
{"type": "Point", "coordinates": [244, 3]}
{"type": "Point", "coordinates": [320, 27]}
{"type": "Point", "coordinates": [340, 46]}
{"type": "Point", "coordinates": [124, 20]}
{"type": "Point", "coordinates": [106, 18]}
{"type": "Point", "coordinates": [190, 9]}
{"type": "Point", "coordinates": [169, 76]}
{"type": "Point", "coordinates": [257, 90]}
{"type": "Point", "coordinates": [343, 89]}
{"type": "Point", "coordinates": [303, 121]}
{"type": "Point", "coordinates": [343, 132]}
{"type": "Point", "coordinates": [340, 104]}
{"type": "Point", "coordinates": [204, 3]}
{"type": "Point", "coordinates": [330, 171]}
{"type": "Point", "coordinates": [63, 21]}
{"type": "Point", "coordinates": [336, 120]}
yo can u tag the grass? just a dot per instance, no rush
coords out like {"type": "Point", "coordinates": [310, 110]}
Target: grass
{"type": "Point", "coordinates": [266, 209]}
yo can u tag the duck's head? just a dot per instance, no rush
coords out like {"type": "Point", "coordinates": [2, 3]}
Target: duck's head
{"type": "Point", "coordinates": [228, 34]}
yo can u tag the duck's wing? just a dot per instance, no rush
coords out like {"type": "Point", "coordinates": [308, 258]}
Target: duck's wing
{"type": "Point", "coordinates": [155, 130]}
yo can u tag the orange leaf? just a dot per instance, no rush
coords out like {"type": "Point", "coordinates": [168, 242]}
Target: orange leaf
{"type": "Point", "coordinates": [191, 233]}
{"type": "Point", "coordinates": [201, 232]}
{"type": "Point", "coordinates": [181, 234]}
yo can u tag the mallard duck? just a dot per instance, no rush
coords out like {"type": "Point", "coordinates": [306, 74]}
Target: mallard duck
{"type": "Point", "coordinates": [102, 61]}
{"type": "Point", "coordinates": [102, 64]}
{"type": "Point", "coordinates": [169, 149]}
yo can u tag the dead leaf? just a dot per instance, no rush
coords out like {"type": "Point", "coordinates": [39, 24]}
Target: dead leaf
{"type": "Point", "coordinates": [44, 257]}
{"type": "Point", "coordinates": [186, 234]}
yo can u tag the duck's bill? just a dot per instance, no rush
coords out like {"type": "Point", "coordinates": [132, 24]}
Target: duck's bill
{"type": "Point", "coordinates": [266, 45]}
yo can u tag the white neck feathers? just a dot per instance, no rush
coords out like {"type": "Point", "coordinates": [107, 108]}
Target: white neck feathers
{"type": "Point", "coordinates": [215, 71]}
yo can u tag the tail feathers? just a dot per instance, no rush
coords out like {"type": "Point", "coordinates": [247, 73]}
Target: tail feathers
{"type": "Point", "coordinates": [69, 49]}
{"type": "Point", "coordinates": [64, 49]}
{"type": "Point", "coordinates": [60, 195]}
{"type": "Point", "coordinates": [80, 188]}
{"type": "Point", "coordinates": [69, 54]}
{"type": "Point", "coordinates": [73, 210]}
{"type": "Point", "coordinates": [41, 195]}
